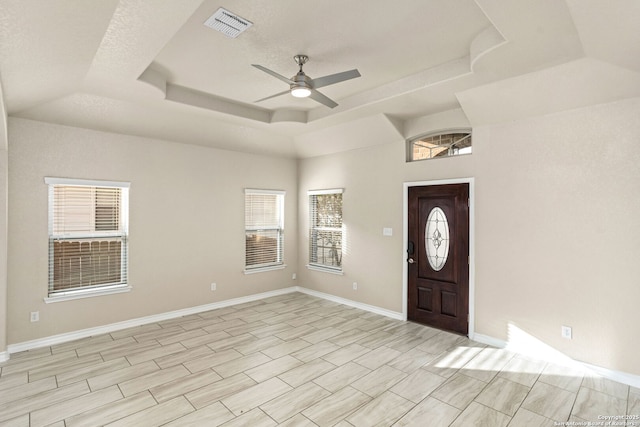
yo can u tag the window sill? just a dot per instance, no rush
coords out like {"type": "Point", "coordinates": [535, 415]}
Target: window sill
{"type": "Point", "coordinates": [325, 270]}
{"type": "Point", "coordinates": [80, 294]}
{"type": "Point", "coordinates": [262, 269]}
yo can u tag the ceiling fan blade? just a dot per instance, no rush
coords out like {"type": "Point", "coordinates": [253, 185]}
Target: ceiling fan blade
{"type": "Point", "coordinates": [322, 99]}
{"type": "Point", "coordinates": [335, 78]}
{"type": "Point", "coordinates": [272, 96]}
{"type": "Point", "coordinates": [273, 73]}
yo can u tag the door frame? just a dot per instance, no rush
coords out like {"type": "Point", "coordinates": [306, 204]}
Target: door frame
{"type": "Point", "coordinates": [405, 242]}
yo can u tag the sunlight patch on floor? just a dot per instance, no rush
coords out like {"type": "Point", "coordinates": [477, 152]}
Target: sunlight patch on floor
{"type": "Point", "coordinates": [522, 342]}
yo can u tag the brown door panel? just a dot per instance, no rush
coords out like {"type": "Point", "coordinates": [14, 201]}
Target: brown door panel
{"type": "Point", "coordinates": [439, 290]}
{"type": "Point", "coordinates": [438, 297]}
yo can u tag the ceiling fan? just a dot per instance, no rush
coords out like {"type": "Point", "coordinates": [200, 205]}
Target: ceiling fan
{"type": "Point", "coordinates": [302, 86]}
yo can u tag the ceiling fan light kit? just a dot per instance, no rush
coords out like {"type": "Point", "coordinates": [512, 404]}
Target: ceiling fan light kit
{"type": "Point", "coordinates": [302, 86]}
{"type": "Point", "coordinates": [300, 92]}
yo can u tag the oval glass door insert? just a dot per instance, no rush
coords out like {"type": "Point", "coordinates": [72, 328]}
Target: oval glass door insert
{"type": "Point", "coordinates": [436, 238]}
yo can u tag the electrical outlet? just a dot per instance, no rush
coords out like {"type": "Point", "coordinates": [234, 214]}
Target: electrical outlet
{"type": "Point", "coordinates": [355, 286]}
{"type": "Point", "coordinates": [566, 332]}
{"type": "Point", "coordinates": [35, 316]}
{"type": "Point", "coordinates": [293, 276]}
{"type": "Point", "coordinates": [214, 286]}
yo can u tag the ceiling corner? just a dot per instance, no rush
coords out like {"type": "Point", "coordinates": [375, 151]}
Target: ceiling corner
{"type": "Point", "coordinates": [366, 132]}
{"type": "Point", "coordinates": [567, 86]}
{"type": "Point", "coordinates": [609, 30]}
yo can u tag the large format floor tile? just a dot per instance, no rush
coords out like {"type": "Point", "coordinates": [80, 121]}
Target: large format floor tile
{"type": "Point", "coordinates": [295, 360]}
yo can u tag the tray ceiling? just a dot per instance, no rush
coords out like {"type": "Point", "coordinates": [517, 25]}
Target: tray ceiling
{"type": "Point", "coordinates": [154, 69]}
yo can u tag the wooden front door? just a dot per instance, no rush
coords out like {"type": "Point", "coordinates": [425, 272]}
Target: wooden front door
{"type": "Point", "coordinates": [438, 256]}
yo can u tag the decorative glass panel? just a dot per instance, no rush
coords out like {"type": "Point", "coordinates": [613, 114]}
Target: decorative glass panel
{"type": "Point", "coordinates": [436, 238]}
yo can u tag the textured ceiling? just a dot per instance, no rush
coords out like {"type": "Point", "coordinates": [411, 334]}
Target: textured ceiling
{"type": "Point", "coordinates": [151, 68]}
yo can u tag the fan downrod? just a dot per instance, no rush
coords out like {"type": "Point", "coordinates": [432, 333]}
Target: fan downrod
{"type": "Point", "coordinates": [301, 60]}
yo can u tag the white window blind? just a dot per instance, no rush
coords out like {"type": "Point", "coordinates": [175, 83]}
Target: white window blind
{"type": "Point", "coordinates": [264, 229]}
{"type": "Point", "coordinates": [325, 229]}
{"type": "Point", "coordinates": [88, 235]}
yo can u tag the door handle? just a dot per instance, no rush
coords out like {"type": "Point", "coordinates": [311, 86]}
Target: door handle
{"type": "Point", "coordinates": [410, 261]}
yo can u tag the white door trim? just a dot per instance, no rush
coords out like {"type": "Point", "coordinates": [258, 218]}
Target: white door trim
{"type": "Point", "coordinates": [405, 240]}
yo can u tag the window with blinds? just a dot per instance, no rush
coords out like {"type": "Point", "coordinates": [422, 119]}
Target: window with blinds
{"type": "Point", "coordinates": [264, 229]}
{"type": "Point", "coordinates": [88, 231]}
{"type": "Point", "coordinates": [325, 229]}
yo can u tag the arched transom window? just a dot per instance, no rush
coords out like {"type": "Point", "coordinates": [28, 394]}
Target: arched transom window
{"type": "Point", "coordinates": [439, 145]}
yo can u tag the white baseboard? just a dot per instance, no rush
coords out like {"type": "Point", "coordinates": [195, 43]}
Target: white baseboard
{"type": "Point", "coordinates": [351, 303]}
{"type": "Point", "coordinates": [84, 333]}
{"type": "Point", "coordinates": [621, 377]}
{"type": "Point", "coordinates": [486, 339]}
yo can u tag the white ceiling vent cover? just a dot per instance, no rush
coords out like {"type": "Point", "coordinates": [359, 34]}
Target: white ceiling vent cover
{"type": "Point", "coordinates": [229, 24]}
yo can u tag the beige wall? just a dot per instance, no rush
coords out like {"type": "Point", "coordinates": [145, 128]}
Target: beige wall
{"type": "Point", "coordinates": [557, 231]}
{"type": "Point", "coordinates": [186, 223]}
{"type": "Point", "coordinates": [3, 223]}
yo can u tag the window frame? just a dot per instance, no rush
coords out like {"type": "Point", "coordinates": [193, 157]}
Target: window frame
{"type": "Point", "coordinates": [279, 263]}
{"type": "Point", "coordinates": [123, 234]}
{"type": "Point", "coordinates": [314, 228]}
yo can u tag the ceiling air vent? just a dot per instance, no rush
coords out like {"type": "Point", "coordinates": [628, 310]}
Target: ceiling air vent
{"type": "Point", "coordinates": [229, 24]}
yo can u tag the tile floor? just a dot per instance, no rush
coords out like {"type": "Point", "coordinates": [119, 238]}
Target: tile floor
{"type": "Point", "coordinates": [296, 360]}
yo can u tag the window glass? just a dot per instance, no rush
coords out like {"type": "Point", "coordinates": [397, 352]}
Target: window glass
{"type": "Point", "coordinates": [441, 145]}
{"type": "Point", "coordinates": [264, 229]}
{"type": "Point", "coordinates": [325, 233]}
{"type": "Point", "coordinates": [88, 237]}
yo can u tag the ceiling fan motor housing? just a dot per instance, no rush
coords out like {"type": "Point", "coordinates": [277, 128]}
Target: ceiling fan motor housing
{"type": "Point", "coordinates": [301, 86]}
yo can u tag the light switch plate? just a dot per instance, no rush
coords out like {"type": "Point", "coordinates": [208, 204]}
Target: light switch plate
{"type": "Point", "coordinates": [387, 231]}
